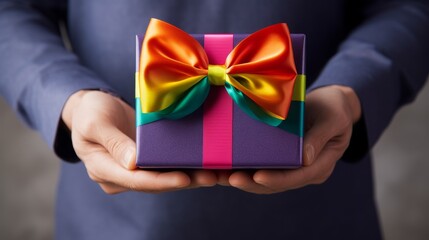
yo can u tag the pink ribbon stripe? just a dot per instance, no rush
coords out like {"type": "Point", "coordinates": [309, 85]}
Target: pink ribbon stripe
{"type": "Point", "coordinates": [218, 109]}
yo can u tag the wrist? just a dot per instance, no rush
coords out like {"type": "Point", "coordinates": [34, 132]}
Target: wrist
{"type": "Point", "coordinates": [69, 107]}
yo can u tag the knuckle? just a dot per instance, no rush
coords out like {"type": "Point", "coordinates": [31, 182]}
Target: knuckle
{"type": "Point", "coordinates": [344, 144]}
{"type": "Point", "coordinates": [340, 145]}
{"type": "Point", "coordinates": [343, 118]}
{"type": "Point", "coordinates": [113, 145]}
{"type": "Point", "coordinates": [343, 121]}
{"type": "Point", "coordinates": [87, 125]}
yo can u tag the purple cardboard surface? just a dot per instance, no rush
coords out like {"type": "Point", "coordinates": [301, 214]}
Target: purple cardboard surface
{"type": "Point", "coordinates": [178, 143]}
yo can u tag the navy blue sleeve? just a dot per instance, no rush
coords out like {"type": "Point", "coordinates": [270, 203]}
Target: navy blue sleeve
{"type": "Point", "coordinates": [386, 62]}
{"type": "Point", "coordinates": [37, 72]}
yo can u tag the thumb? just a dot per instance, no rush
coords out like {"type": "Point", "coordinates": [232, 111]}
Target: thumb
{"type": "Point", "coordinates": [314, 141]}
{"type": "Point", "coordinates": [121, 147]}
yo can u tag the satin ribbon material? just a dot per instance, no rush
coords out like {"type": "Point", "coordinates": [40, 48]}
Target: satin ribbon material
{"type": "Point", "coordinates": [217, 75]}
{"type": "Point", "coordinates": [175, 74]}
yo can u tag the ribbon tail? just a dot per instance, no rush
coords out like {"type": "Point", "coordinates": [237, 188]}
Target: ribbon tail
{"type": "Point", "coordinates": [250, 107]}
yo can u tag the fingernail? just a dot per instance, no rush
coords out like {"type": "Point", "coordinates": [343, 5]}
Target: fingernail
{"type": "Point", "coordinates": [128, 157]}
{"type": "Point", "coordinates": [309, 151]}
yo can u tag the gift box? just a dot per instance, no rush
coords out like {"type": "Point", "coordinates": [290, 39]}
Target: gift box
{"type": "Point", "coordinates": [219, 126]}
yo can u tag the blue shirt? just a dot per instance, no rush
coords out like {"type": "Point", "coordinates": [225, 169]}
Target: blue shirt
{"type": "Point", "coordinates": [376, 47]}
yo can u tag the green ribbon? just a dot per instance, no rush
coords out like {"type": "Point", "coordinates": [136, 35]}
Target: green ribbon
{"type": "Point", "coordinates": [195, 96]}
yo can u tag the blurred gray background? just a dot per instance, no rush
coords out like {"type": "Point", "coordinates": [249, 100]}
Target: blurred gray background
{"type": "Point", "coordinates": [29, 171]}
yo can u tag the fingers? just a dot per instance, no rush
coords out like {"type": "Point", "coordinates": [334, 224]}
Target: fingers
{"type": "Point", "coordinates": [223, 177]}
{"type": "Point", "coordinates": [324, 145]}
{"type": "Point", "coordinates": [317, 173]}
{"type": "Point", "coordinates": [314, 141]}
{"type": "Point", "coordinates": [113, 178]}
{"type": "Point", "coordinates": [328, 134]}
{"type": "Point", "coordinates": [283, 180]}
{"type": "Point", "coordinates": [243, 180]}
{"type": "Point", "coordinates": [120, 146]}
{"type": "Point", "coordinates": [107, 121]}
{"type": "Point", "coordinates": [272, 181]}
{"type": "Point", "coordinates": [320, 135]}
{"type": "Point", "coordinates": [110, 164]}
{"type": "Point", "coordinates": [102, 134]}
{"type": "Point", "coordinates": [111, 188]}
{"type": "Point", "coordinates": [202, 178]}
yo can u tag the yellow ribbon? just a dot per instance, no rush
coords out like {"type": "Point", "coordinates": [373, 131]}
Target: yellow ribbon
{"type": "Point", "coordinates": [261, 67]}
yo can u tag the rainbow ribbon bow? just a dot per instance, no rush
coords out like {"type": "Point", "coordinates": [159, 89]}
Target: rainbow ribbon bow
{"type": "Point", "coordinates": [175, 74]}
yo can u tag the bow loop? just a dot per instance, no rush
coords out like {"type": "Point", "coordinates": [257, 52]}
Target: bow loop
{"type": "Point", "coordinates": [171, 62]}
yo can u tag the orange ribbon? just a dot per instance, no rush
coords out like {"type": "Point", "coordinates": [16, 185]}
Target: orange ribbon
{"type": "Point", "coordinates": [261, 67]}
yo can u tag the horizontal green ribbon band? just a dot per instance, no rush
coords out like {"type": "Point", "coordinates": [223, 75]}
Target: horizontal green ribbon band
{"type": "Point", "coordinates": [293, 123]}
{"type": "Point", "coordinates": [196, 95]}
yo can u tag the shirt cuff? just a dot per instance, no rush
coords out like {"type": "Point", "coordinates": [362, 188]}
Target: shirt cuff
{"type": "Point", "coordinates": [374, 79]}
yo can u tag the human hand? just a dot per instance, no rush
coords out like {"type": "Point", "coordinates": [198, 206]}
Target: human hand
{"type": "Point", "coordinates": [330, 114]}
{"type": "Point", "coordinates": [103, 136]}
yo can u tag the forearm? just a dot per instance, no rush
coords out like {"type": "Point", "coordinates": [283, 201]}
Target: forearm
{"type": "Point", "coordinates": [385, 63]}
{"type": "Point", "coordinates": [37, 72]}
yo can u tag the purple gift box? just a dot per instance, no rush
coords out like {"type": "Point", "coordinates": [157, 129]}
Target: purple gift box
{"type": "Point", "coordinates": [254, 145]}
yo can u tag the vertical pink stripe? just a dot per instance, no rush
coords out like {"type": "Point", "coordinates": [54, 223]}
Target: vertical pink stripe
{"type": "Point", "coordinates": [217, 119]}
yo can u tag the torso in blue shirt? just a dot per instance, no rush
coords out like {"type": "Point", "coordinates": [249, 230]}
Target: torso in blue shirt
{"type": "Point", "coordinates": [103, 34]}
